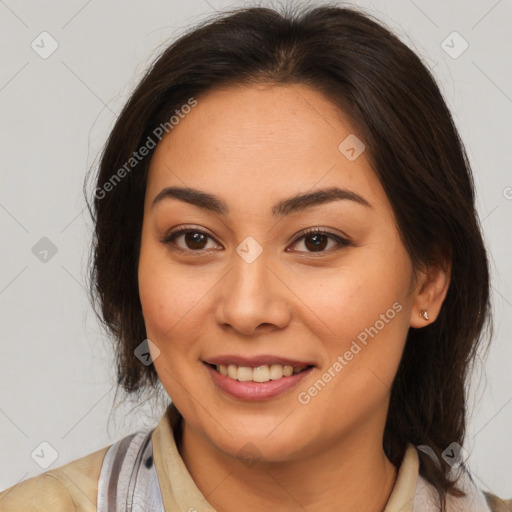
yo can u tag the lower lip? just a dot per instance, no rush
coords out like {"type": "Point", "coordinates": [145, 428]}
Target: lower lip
{"type": "Point", "coordinates": [256, 390]}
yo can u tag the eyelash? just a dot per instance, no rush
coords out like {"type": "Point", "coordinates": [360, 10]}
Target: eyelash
{"type": "Point", "coordinates": [170, 238]}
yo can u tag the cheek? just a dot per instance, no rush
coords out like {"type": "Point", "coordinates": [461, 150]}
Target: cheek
{"type": "Point", "coordinates": [347, 300]}
{"type": "Point", "coordinates": [170, 296]}
{"type": "Point", "coordinates": [361, 310]}
{"type": "Point", "coordinates": [364, 324]}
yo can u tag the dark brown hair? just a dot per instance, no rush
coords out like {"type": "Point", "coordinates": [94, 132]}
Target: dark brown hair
{"type": "Point", "coordinates": [415, 150]}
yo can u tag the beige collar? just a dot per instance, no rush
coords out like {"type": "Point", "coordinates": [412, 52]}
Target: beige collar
{"type": "Point", "coordinates": [180, 493]}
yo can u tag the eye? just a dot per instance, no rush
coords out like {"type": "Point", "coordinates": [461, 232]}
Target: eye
{"type": "Point", "coordinates": [192, 239]}
{"type": "Point", "coordinates": [316, 240]}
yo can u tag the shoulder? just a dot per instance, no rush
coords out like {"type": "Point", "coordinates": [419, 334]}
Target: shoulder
{"type": "Point", "coordinates": [71, 487]}
{"type": "Point", "coordinates": [475, 500]}
{"type": "Point", "coordinates": [497, 504]}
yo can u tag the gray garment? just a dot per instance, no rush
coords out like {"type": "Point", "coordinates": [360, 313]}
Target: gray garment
{"type": "Point", "coordinates": [128, 480]}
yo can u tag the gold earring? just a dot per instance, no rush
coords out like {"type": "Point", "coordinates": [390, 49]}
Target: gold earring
{"type": "Point", "coordinates": [424, 314]}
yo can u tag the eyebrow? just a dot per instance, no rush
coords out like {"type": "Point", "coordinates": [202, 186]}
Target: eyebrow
{"type": "Point", "coordinates": [284, 207]}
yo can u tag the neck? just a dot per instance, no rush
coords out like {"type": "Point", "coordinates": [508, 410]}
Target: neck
{"type": "Point", "coordinates": [351, 475]}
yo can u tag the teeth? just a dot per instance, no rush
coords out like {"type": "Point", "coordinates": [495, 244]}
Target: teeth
{"type": "Point", "coordinates": [244, 373]}
{"type": "Point", "coordinates": [233, 371]}
{"type": "Point", "coordinates": [276, 371]}
{"type": "Point", "coordinates": [260, 373]}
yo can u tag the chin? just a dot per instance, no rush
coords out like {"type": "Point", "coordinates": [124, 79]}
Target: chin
{"type": "Point", "coordinates": [263, 439]}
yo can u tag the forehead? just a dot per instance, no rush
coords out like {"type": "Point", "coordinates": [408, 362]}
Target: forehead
{"type": "Point", "coordinates": [253, 143]}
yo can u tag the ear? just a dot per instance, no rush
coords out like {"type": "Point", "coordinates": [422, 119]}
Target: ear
{"type": "Point", "coordinates": [432, 285]}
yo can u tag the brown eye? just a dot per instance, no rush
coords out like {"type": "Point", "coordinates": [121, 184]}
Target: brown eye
{"type": "Point", "coordinates": [195, 240]}
{"type": "Point", "coordinates": [184, 239]}
{"type": "Point", "coordinates": [317, 241]}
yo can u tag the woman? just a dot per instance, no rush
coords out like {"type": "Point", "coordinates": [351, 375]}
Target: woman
{"type": "Point", "coordinates": [286, 240]}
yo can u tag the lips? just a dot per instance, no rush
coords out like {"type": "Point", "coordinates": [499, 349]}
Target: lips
{"type": "Point", "coordinates": [256, 378]}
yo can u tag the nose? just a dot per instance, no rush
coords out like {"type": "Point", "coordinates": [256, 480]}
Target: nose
{"type": "Point", "coordinates": [253, 298]}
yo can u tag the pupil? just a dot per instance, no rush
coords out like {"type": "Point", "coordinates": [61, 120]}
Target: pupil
{"type": "Point", "coordinates": [319, 242]}
{"type": "Point", "coordinates": [196, 242]}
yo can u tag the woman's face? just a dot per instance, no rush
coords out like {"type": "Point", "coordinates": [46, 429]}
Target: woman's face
{"type": "Point", "coordinates": [246, 288]}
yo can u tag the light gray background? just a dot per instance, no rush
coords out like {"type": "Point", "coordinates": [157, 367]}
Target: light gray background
{"type": "Point", "coordinates": [57, 373]}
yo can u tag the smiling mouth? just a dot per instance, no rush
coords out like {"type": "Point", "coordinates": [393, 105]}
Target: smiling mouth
{"type": "Point", "coordinates": [264, 373]}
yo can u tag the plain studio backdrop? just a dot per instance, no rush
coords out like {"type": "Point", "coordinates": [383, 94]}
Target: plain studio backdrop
{"type": "Point", "coordinates": [67, 69]}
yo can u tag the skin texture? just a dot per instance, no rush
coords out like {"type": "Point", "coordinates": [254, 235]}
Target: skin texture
{"type": "Point", "coordinates": [253, 146]}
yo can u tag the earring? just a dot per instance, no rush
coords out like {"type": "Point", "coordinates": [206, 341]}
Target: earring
{"type": "Point", "coordinates": [424, 314]}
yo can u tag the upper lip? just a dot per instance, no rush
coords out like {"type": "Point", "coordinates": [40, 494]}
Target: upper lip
{"type": "Point", "coordinates": [255, 361]}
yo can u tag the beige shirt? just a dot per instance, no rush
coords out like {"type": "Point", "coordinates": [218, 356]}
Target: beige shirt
{"type": "Point", "coordinates": [73, 487]}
